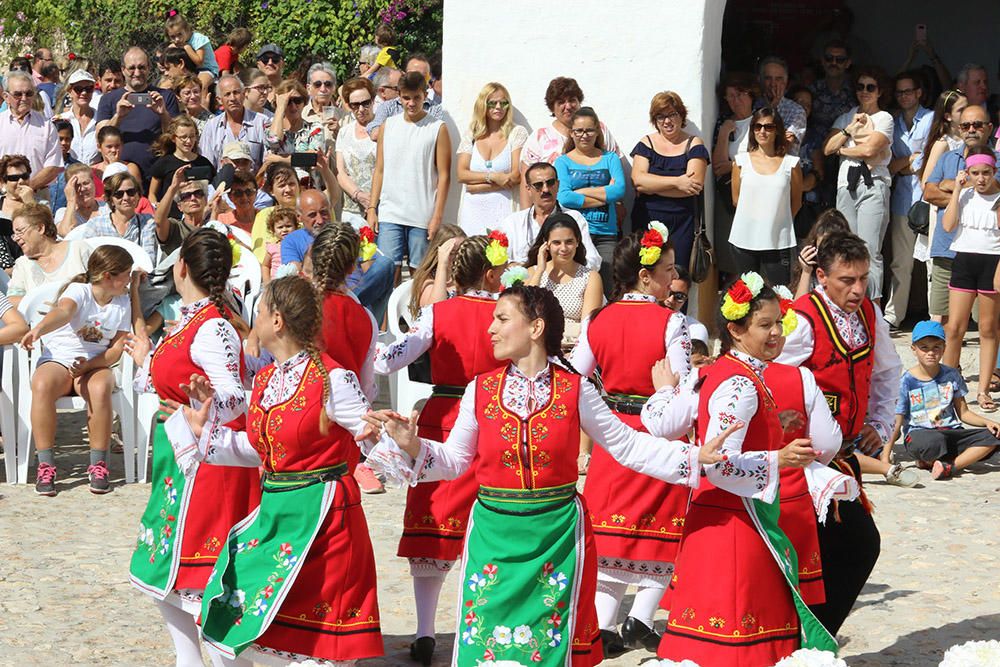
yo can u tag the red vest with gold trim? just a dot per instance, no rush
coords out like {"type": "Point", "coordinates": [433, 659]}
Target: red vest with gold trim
{"type": "Point", "coordinates": [843, 374]}
{"type": "Point", "coordinates": [462, 347]}
{"type": "Point", "coordinates": [287, 436]}
{"type": "Point", "coordinates": [347, 331]}
{"type": "Point", "coordinates": [533, 453]}
{"type": "Point", "coordinates": [627, 338]}
{"type": "Point", "coordinates": [171, 364]}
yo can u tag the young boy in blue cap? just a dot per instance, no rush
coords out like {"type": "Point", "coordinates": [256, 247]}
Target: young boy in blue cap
{"type": "Point", "coordinates": [931, 408]}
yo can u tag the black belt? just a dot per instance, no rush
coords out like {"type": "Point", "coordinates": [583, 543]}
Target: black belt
{"type": "Point", "coordinates": [627, 404]}
{"type": "Point", "coordinates": [447, 391]}
{"type": "Point", "coordinates": [276, 482]}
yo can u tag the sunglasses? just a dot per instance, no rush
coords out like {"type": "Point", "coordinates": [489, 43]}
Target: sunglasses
{"type": "Point", "coordinates": [296, 100]}
{"type": "Point", "coordinates": [840, 60]}
{"type": "Point", "coordinates": [322, 84]}
{"type": "Point", "coordinates": [547, 183]}
{"type": "Point", "coordinates": [764, 127]}
{"type": "Point", "coordinates": [128, 192]}
{"type": "Point", "coordinates": [270, 59]}
{"type": "Point", "coordinates": [14, 178]}
{"type": "Point", "coordinates": [866, 87]}
{"type": "Point", "coordinates": [263, 87]}
{"type": "Point", "coordinates": [191, 194]}
{"type": "Point", "coordinates": [81, 90]}
{"type": "Point", "coordinates": [977, 124]}
{"type": "Point", "coordinates": [396, 88]}
{"type": "Point", "coordinates": [363, 104]}
{"type": "Point", "coordinates": [497, 104]}
{"type": "Point", "coordinates": [680, 297]}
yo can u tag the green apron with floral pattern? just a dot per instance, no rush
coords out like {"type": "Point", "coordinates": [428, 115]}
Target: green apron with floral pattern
{"type": "Point", "coordinates": [157, 553]}
{"type": "Point", "coordinates": [520, 569]}
{"type": "Point", "coordinates": [264, 554]}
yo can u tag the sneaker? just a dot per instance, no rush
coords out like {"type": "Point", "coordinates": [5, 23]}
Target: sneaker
{"type": "Point", "coordinates": [45, 485]}
{"type": "Point", "coordinates": [367, 480]}
{"type": "Point", "coordinates": [900, 476]}
{"type": "Point", "coordinates": [98, 474]}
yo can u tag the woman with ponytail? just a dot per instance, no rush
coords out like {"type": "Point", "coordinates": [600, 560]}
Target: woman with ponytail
{"type": "Point", "coordinates": [296, 580]}
{"type": "Point", "coordinates": [529, 568]}
{"type": "Point", "coordinates": [453, 333]}
{"type": "Point", "coordinates": [192, 507]}
{"type": "Point", "coordinates": [637, 521]}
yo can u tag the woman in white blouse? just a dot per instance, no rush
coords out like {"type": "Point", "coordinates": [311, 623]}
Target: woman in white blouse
{"type": "Point", "coordinates": [356, 151]}
{"type": "Point", "coordinates": [488, 162]}
{"type": "Point", "coordinates": [767, 193]}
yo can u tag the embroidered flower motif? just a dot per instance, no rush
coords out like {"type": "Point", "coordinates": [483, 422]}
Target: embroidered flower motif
{"type": "Point", "coordinates": [717, 622]}
{"type": "Point", "coordinates": [488, 655]}
{"type": "Point", "coordinates": [236, 598]}
{"type": "Point", "coordinates": [548, 568]}
{"type": "Point", "coordinates": [168, 482]}
{"type": "Point", "coordinates": [502, 635]}
{"type": "Point", "coordinates": [267, 591]}
{"type": "Point", "coordinates": [476, 580]}
{"type": "Point", "coordinates": [490, 570]}
{"type": "Point", "coordinates": [286, 548]}
{"type": "Point", "coordinates": [536, 656]}
{"type": "Point", "coordinates": [469, 636]}
{"type": "Point", "coordinates": [470, 617]}
{"type": "Point", "coordinates": [522, 634]}
{"type": "Point", "coordinates": [258, 607]}
{"type": "Point", "coordinates": [558, 579]}
{"type": "Point", "coordinates": [554, 636]}
{"type": "Point", "coordinates": [749, 621]}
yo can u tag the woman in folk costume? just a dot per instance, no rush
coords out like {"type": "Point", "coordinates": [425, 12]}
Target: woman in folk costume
{"type": "Point", "coordinates": [804, 493]}
{"type": "Point", "coordinates": [453, 333]}
{"type": "Point", "coordinates": [296, 579]}
{"type": "Point", "coordinates": [733, 599]}
{"type": "Point", "coordinates": [184, 526]}
{"type": "Point", "coordinates": [637, 521]}
{"type": "Point", "coordinates": [529, 568]}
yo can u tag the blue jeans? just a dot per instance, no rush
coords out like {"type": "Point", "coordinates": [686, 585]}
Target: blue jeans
{"type": "Point", "coordinates": [373, 287]}
{"type": "Point", "coordinates": [396, 240]}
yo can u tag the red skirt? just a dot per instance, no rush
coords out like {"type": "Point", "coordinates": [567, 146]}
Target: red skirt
{"type": "Point", "coordinates": [798, 521]}
{"type": "Point", "coordinates": [222, 497]}
{"type": "Point", "coordinates": [331, 611]}
{"type": "Point", "coordinates": [587, 647]}
{"type": "Point", "coordinates": [437, 513]}
{"type": "Point", "coordinates": [634, 516]}
{"type": "Point", "coordinates": [730, 605]}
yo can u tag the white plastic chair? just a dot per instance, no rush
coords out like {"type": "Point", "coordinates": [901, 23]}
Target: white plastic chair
{"type": "Point", "coordinates": [403, 392]}
{"type": "Point", "coordinates": [77, 233]}
{"type": "Point", "coordinates": [246, 277]}
{"type": "Point", "coordinates": [141, 261]}
{"type": "Point", "coordinates": [34, 306]}
{"type": "Point", "coordinates": [8, 411]}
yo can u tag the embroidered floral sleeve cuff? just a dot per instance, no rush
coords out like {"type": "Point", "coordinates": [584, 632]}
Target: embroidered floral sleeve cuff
{"type": "Point", "coordinates": [671, 411]}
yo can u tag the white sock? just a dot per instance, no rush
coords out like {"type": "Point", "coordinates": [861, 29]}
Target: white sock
{"type": "Point", "coordinates": [426, 591]}
{"type": "Point", "coordinates": [645, 603]}
{"type": "Point", "coordinates": [608, 599]}
{"type": "Point", "coordinates": [219, 660]}
{"type": "Point", "coordinates": [184, 633]}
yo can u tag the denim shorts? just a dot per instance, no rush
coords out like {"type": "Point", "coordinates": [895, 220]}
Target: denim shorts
{"type": "Point", "coordinates": [396, 240]}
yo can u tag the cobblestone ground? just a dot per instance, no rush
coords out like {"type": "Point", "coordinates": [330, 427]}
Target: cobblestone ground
{"type": "Point", "coordinates": [65, 598]}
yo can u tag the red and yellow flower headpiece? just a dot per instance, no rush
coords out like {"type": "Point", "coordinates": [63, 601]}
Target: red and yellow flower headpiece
{"type": "Point", "coordinates": [789, 319]}
{"type": "Point", "coordinates": [736, 301]}
{"type": "Point", "coordinates": [496, 250]}
{"type": "Point", "coordinates": [367, 248]}
{"type": "Point", "coordinates": [652, 243]}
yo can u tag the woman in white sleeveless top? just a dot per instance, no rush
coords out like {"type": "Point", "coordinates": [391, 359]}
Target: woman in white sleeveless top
{"type": "Point", "coordinates": [767, 193]}
{"type": "Point", "coordinates": [488, 160]}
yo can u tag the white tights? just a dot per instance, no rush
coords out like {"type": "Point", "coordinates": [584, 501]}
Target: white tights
{"type": "Point", "coordinates": [426, 593]}
{"type": "Point", "coordinates": [187, 644]}
{"type": "Point", "coordinates": [609, 598]}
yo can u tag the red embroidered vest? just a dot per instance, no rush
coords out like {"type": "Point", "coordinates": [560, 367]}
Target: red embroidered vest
{"type": "Point", "coordinates": [347, 331]}
{"type": "Point", "coordinates": [171, 364]}
{"type": "Point", "coordinates": [462, 348]}
{"type": "Point", "coordinates": [287, 436]}
{"type": "Point", "coordinates": [533, 453]}
{"type": "Point", "coordinates": [785, 383]}
{"type": "Point", "coordinates": [843, 374]}
{"type": "Point", "coordinates": [627, 338]}
{"type": "Point", "coordinates": [763, 433]}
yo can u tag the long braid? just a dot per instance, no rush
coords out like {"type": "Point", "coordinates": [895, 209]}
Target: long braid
{"type": "Point", "coordinates": [209, 259]}
{"type": "Point", "coordinates": [470, 263]}
{"type": "Point", "coordinates": [334, 254]}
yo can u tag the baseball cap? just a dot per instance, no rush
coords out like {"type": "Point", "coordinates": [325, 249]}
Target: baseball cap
{"type": "Point", "coordinates": [270, 48]}
{"type": "Point", "coordinates": [236, 150]}
{"type": "Point", "coordinates": [928, 329]}
{"type": "Point", "coordinates": [80, 75]}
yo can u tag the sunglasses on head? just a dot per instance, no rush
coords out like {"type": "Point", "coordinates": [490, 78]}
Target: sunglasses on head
{"type": "Point", "coordinates": [977, 124]}
{"type": "Point", "coordinates": [14, 178]}
{"type": "Point", "coordinates": [866, 87]}
{"type": "Point", "coordinates": [547, 183]}
{"type": "Point", "coordinates": [360, 105]}
{"type": "Point", "coordinates": [840, 60]}
{"type": "Point", "coordinates": [765, 127]}
{"type": "Point", "coordinates": [127, 192]}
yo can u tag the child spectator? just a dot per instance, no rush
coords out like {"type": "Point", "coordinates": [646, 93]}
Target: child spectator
{"type": "Point", "coordinates": [700, 355]}
{"type": "Point", "coordinates": [175, 148]}
{"type": "Point", "coordinates": [197, 46]}
{"type": "Point", "coordinates": [227, 56]}
{"type": "Point", "coordinates": [109, 146]}
{"type": "Point", "coordinates": [282, 222]}
{"type": "Point", "coordinates": [82, 337]}
{"type": "Point", "coordinates": [388, 57]}
{"type": "Point", "coordinates": [931, 408]}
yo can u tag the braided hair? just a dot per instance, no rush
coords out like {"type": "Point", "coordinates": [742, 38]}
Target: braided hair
{"type": "Point", "coordinates": [540, 303]}
{"type": "Point", "coordinates": [300, 305]}
{"type": "Point", "coordinates": [334, 254]}
{"type": "Point", "coordinates": [470, 263]}
{"type": "Point", "coordinates": [209, 259]}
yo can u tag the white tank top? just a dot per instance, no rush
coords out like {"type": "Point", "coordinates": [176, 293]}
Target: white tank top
{"type": "Point", "coordinates": [763, 219]}
{"type": "Point", "coordinates": [409, 174]}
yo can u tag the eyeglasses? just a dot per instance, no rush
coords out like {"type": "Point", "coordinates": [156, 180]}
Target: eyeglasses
{"type": "Point", "coordinates": [296, 100]}
{"type": "Point", "coordinates": [363, 104]}
{"type": "Point", "coordinates": [680, 297]}
{"type": "Point", "coordinates": [905, 91]}
{"type": "Point", "coordinates": [262, 87]}
{"type": "Point", "coordinates": [14, 178]}
{"type": "Point", "coordinates": [242, 192]}
{"type": "Point", "coordinates": [322, 84]}
{"type": "Point", "coordinates": [547, 183]}
{"type": "Point", "coordinates": [866, 87]}
{"type": "Point", "coordinates": [270, 58]}
{"type": "Point", "coordinates": [764, 127]}
{"type": "Point", "coordinates": [497, 104]}
{"type": "Point", "coordinates": [26, 94]}
{"type": "Point", "coordinates": [584, 132]}
{"type": "Point", "coordinates": [396, 88]}
{"type": "Point", "coordinates": [135, 68]}
{"type": "Point", "coordinates": [19, 233]}
{"type": "Point", "coordinates": [191, 194]}
{"type": "Point", "coordinates": [664, 117]}
{"type": "Point", "coordinates": [82, 90]}
{"type": "Point", "coordinates": [978, 124]}
{"type": "Point", "coordinates": [830, 58]}
{"type": "Point", "coordinates": [127, 192]}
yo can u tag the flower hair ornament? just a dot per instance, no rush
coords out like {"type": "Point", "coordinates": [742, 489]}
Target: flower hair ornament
{"type": "Point", "coordinates": [652, 243]}
{"type": "Point", "coordinates": [496, 250]}
{"type": "Point", "coordinates": [736, 301]}
{"type": "Point", "coordinates": [367, 248]}
{"type": "Point", "coordinates": [513, 275]}
{"type": "Point", "coordinates": [789, 320]}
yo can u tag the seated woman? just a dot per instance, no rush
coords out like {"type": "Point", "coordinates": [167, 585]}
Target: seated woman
{"type": "Point", "coordinates": [82, 204]}
{"type": "Point", "coordinates": [14, 193]}
{"type": "Point", "coordinates": [46, 259]}
{"type": "Point", "coordinates": [281, 183]}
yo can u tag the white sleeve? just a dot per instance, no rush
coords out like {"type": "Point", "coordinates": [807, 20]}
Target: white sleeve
{"type": "Point", "coordinates": [142, 382]}
{"type": "Point", "coordinates": [672, 411]}
{"type": "Point", "coordinates": [450, 459]}
{"type": "Point", "coordinates": [747, 474]}
{"type": "Point", "coordinates": [368, 380]}
{"type": "Point", "coordinates": [401, 353]}
{"type": "Point", "coordinates": [218, 445]}
{"type": "Point", "coordinates": [667, 460]}
{"type": "Point", "coordinates": [883, 123]}
{"type": "Point", "coordinates": [798, 345]}
{"type": "Point", "coordinates": [593, 257]}
{"type": "Point", "coordinates": [347, 402]}
{"type": "Point", "coordinates": [216, 349]}
{"type": "Point", "coordinates": [886, 371]}
{"type": "Point", "coordinates": [583, 358]}
{"type": "Point", "coordinates": [677, 341]}
{"type": "Point", "coordinates": [824, 431]}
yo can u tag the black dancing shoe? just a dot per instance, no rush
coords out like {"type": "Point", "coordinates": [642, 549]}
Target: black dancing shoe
{"type": "Point", "coordinates": [612, 643]}
{"type": "Point", "coordinates": [636, 634]}
{"type": "Point", "coordinates": [422, 650]}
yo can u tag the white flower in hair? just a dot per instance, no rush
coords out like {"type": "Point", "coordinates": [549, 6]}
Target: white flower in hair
{"type": "Point", "coordinates": [514, 275]}
{"type": "Point", "coordinates": [783, 292]}
{"type": "Point", "coordinates": [753, 281]}
{"type": "Point", "coordinates": [286, 270]}
{"type": "Point", "coordinates": [661, 228]}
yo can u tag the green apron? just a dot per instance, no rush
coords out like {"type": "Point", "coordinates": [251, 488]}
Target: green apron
{"type": "Point", "coordinates": [520, 577]}
{"type": "Point", "coordinates": [158, 548]}
{"type": "Point", "coordinates": [264, 554]}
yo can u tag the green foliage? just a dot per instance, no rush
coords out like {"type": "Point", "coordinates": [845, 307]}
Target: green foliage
{"type": "Point", "coordinates": [331, 29]}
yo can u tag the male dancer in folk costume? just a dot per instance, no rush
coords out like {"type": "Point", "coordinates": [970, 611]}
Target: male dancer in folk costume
{"type": "Point", "coordinates": [843, 339]}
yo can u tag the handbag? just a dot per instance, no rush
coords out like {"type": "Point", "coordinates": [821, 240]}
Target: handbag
{"type": "Point", "coordinates": [701, 251]}
{"type": "Point", "coordinates": [918, 218]}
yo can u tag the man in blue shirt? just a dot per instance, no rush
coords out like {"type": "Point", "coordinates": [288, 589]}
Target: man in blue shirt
{"type": "Point", "coordinates": [912, 126]}
{"type": "Point", "coordinates": [976, 129]}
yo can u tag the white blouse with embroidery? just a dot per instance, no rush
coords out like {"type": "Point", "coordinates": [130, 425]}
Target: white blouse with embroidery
{"type": "Point", "coordinates": [677, 340]}
{"type": "Point", "coordinates": [674, 462]}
